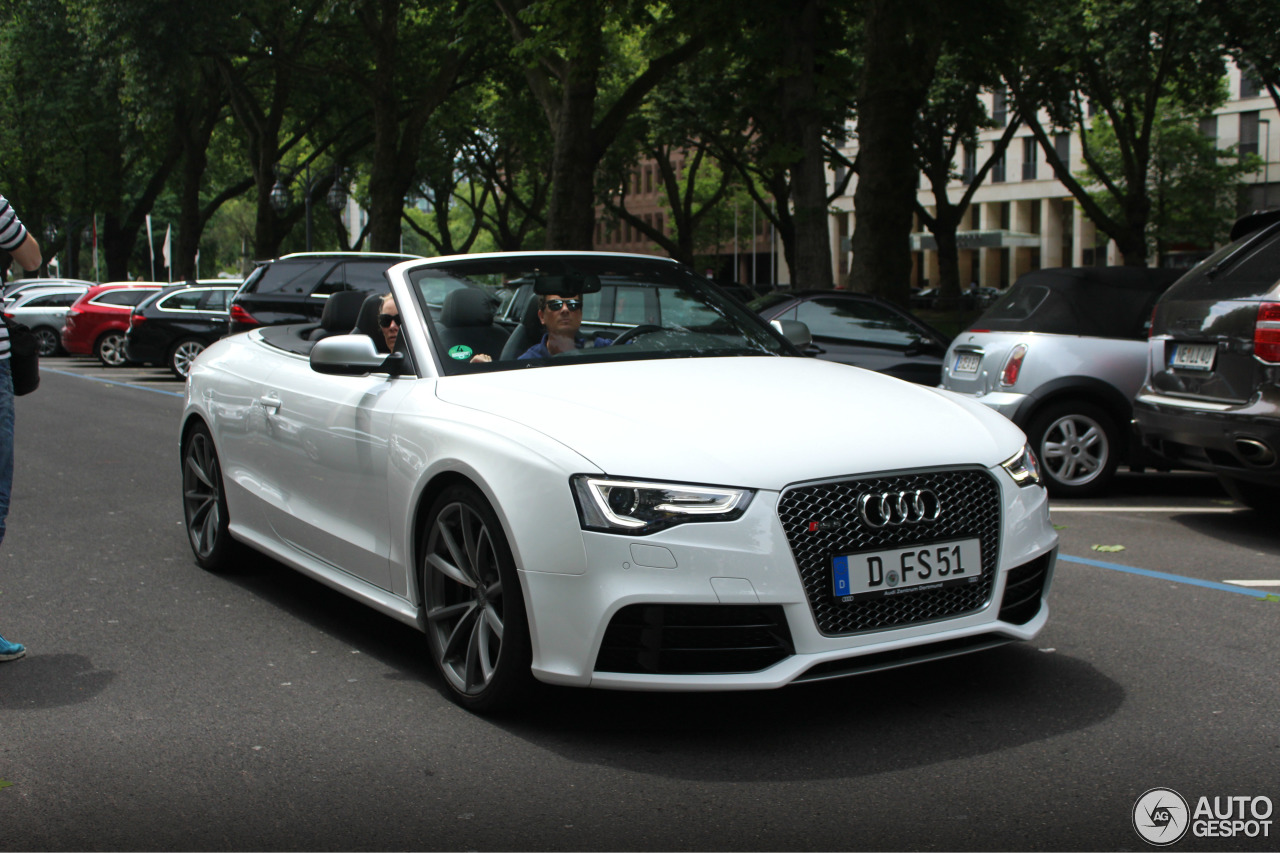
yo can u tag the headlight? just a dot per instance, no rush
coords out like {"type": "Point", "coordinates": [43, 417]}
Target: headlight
{"type": "Point", "coordinates": [638, 507]}
{"type": "Point", "coordinates": [1023, 467]}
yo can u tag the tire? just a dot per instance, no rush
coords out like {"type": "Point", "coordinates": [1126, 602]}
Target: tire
{"type": "Point", "coordinates": [204, 502]}
{"type": "Point", "coordinates": [182, 354]}
{"type": "Point", "coordinates": [110, 349]}
{"type": "Point", "coordinates": [1256, 496]}
{"type": "Point", "coordinates": [477, 629]}
{"type": "Point", "coordinates": [1077, 444]}
{"type": "Point", "coordinates": [49, 341]}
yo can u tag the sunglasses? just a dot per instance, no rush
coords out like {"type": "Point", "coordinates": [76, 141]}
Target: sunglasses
{"type": "Point", "coordinates": [385, 320]}
{"type": "Point", "coordinates": [557, 304]}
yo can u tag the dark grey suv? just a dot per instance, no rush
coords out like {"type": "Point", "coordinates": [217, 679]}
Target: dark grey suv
{"type": "Point", "coordinates": [1212, 397]}
{"type": "Point", "coordinates": [293, 288]}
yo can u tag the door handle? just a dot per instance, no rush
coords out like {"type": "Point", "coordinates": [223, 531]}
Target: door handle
{"type": "Point", "coordinates": [270, 402]}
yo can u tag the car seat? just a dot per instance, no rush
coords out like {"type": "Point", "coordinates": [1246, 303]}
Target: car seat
{"type": "Point", "coordinates": [525, 335]}
{"type": "Point", "coordinates": [341, 311]}
{"type": "Point", "coordinates": [467, 320]}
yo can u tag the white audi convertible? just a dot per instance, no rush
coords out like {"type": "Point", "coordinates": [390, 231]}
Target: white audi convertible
{"type": "Point", "coordinates": [680, 502]}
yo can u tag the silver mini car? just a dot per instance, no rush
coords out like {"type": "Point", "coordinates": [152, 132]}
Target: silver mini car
{"type": "Point", "coordinates": [1062, 354]}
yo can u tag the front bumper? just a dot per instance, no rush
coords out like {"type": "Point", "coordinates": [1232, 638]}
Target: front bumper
{"type": "Point", "coordinates": [649, 613]}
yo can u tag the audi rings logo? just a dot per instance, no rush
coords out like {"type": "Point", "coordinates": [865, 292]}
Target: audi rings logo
{"type": "Point", "coordinates": [907, 507]}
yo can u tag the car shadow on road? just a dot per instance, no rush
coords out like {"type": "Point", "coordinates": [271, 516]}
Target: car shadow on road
{"type": "Point", "coordinates": [861, 726]}
{"type": "Point", "coordinates": [1244, 529]}
{"type": "Point", "coordinates": [915, 716]}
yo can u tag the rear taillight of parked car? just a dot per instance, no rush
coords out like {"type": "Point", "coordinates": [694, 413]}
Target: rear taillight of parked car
{"type": "Point", "coordinates": [136, 320]}
{"type": "Point", "coordinates": [243, 317]}
{"type": "Point", "coordinates": [1266, 333]}
{"type": "Point", "coordinates": [1013, 366]}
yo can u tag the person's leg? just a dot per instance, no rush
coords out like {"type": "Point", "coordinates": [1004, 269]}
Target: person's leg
{"type": "Point", "coordinates": [8, 650]}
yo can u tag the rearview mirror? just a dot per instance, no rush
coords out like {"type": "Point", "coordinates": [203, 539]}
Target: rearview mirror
{"type": "Point", "coordinates": [794, 331]}
{"type": "Point", "coordinates": [569, 284]}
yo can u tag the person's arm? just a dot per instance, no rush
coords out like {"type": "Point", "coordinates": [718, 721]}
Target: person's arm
{"type": "Point", "coordinates": [28, 254]}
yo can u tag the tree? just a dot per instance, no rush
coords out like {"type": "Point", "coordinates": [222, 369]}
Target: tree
{"type": "Point", "coordinates": [1119, 58]}
{"type": "Point", "coordinates": [901, 43]}
{"type": "Point", "coordinates": [1193, 185]}
{"type": "Point", "coordinates": [1252, 36]}
{"type": "Point", "coordinates": [585, 62]}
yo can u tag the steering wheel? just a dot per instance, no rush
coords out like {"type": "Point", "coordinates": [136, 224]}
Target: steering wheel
{"type": "Point", "coordinates": [635, 332]}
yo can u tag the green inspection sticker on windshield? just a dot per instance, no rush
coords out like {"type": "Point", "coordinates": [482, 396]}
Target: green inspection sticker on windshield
{"type": "Point", "coordinates": [461, 352]}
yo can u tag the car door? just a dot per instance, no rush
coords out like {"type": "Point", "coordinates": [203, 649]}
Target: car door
{"type": "Point", "coordinates": [329, 438]}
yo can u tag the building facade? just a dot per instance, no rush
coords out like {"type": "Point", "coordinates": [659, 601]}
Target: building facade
{"type": "Point", "coordinates": [1022, 218]}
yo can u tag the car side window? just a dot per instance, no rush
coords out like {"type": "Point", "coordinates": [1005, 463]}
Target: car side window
{"type": "Point", "coordinates": [53, 300]}
{"type": "Point", "coordinates": [183, 300]}
{"type": "Point", "coordinates": [360, 275]}
{"type": "Point", "coordinates": [289, 277]}
{"type": "Point", "coordinates": [123, 297]}
{"type": "Point", "coordinates": [856, 321]}
{"type": "Point", "coordinates": [215, 300]}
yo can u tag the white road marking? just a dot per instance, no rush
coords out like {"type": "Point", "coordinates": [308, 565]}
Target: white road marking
{"type": "Point", "coordinates": [1255, 583]}
{"type": "Point", "coordinates": [1053, 509]}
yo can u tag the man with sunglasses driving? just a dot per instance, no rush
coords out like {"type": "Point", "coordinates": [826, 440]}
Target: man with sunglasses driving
{"type": "Point", "coordinates": [561, 316]}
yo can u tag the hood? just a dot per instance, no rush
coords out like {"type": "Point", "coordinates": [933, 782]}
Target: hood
{"type": "Point", "coordinates": [757, 422]}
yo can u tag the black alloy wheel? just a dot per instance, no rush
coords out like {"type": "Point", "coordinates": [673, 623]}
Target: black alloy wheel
{"type": "Point", "coordinates": [204, 504]}
{"type": "Point", "coordinates": [477, 628]}
{"type": "Point", "coordinates": [48, 341]}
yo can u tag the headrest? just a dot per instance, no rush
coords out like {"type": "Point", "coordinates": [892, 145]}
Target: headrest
{"type": "Point", "coordinates": [342, 309]}
{"type": "Point", "coordinates": [467, 306]}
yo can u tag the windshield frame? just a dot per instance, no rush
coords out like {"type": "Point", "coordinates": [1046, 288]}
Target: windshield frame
{"type": "Point", "coordinates": [733, 330]}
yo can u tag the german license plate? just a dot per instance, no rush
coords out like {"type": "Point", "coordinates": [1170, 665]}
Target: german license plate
{"type": "Point", "coordinates": [1194, 356]}
{"type": "Point", "coordinates": [967, 362]}
{"type": "Point", "coordinates": [875, 574]}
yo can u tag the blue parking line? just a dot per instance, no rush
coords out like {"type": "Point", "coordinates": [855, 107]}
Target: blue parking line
{"type": "Point", "coordinates": [1165, 576]}
{"type": "Point", "coordinates": [114, 382]}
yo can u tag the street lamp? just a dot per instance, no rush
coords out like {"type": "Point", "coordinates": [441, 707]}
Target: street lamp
{"type": "Point", "coordinates": [1266, 162]}
{"type": "Point", "coordinates": [282, 199]}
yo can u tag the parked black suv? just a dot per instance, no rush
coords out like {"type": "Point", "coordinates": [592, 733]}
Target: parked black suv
{"type": "Point", "coordinates": [293, 288]}
{"type": "Point", "coordinates": [1212, 399]}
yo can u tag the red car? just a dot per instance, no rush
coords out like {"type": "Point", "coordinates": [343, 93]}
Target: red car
{"type": "Point", "coordinates": [96, 324]}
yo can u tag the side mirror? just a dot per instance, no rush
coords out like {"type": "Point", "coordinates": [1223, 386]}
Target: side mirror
{"type": "Point", "coordinates": [352, 355]}
{"type": "Point", "coordinates": [795, 332]}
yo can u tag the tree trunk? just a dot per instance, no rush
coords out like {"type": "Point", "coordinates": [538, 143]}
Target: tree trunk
{"type": "Point", "coordinates": [900, 56]}
{"type": "Point", "coordinates": [571, 207]}
{"type": "Point", "coordinates": [811, 265]}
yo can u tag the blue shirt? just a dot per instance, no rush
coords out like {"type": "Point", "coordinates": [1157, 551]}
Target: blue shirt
{"type": "Point", "coordinates": [539, 350]}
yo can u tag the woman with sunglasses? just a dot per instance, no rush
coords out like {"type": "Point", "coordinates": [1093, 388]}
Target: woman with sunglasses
{"type": "Point", "coordinates": [561, 316]}
{"type": "Point", "coordinates": [389, 322]}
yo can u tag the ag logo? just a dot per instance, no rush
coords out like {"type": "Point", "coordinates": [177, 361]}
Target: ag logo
{"type": "Point", "coordinates": [1161, 816]}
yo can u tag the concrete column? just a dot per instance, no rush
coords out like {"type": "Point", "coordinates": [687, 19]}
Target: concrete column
{"type": "Point", "coordinates": [1051, 234]}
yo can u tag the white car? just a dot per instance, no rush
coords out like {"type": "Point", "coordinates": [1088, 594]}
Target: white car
{"type": "Point", "coordinates": [694, 507]}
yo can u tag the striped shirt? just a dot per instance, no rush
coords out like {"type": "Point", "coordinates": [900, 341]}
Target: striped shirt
{"type": "Point", "coordinates": [12, 235]}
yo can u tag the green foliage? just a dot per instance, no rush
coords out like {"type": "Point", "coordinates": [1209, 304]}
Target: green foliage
{"type": "Point", "coordinates": [1193, 185]}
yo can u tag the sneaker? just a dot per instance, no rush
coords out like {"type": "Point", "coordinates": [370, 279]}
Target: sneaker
{"type": "Point", "coordinates": [11, 651]}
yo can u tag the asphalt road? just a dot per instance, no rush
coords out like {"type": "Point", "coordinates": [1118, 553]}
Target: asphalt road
{"type": "Point", "coordinates": [162, 707]}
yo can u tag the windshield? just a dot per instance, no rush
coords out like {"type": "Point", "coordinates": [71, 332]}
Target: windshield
{"type": "Point", "coordinates": [538, 310]}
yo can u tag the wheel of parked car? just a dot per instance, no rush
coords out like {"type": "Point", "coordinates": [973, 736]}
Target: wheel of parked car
{"type": "Point", "coordinates": [1076, 443]}
{"type": "Point", "coordinates": [204, 504]}
{"type": "Point", "coordinates": [48, 340]}
{"type": "Point", "coordinates": [182, 354]}
{"type": "Point", "coordinates": [110, 349]}
{"type": "Point", "coordinates": [476, 624]}
{"type": "Point", "coordinates": [1256, 496]}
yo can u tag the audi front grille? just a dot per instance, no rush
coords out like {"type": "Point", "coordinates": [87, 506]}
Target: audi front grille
{"type": "Point", "coordinates": [825, 520]}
